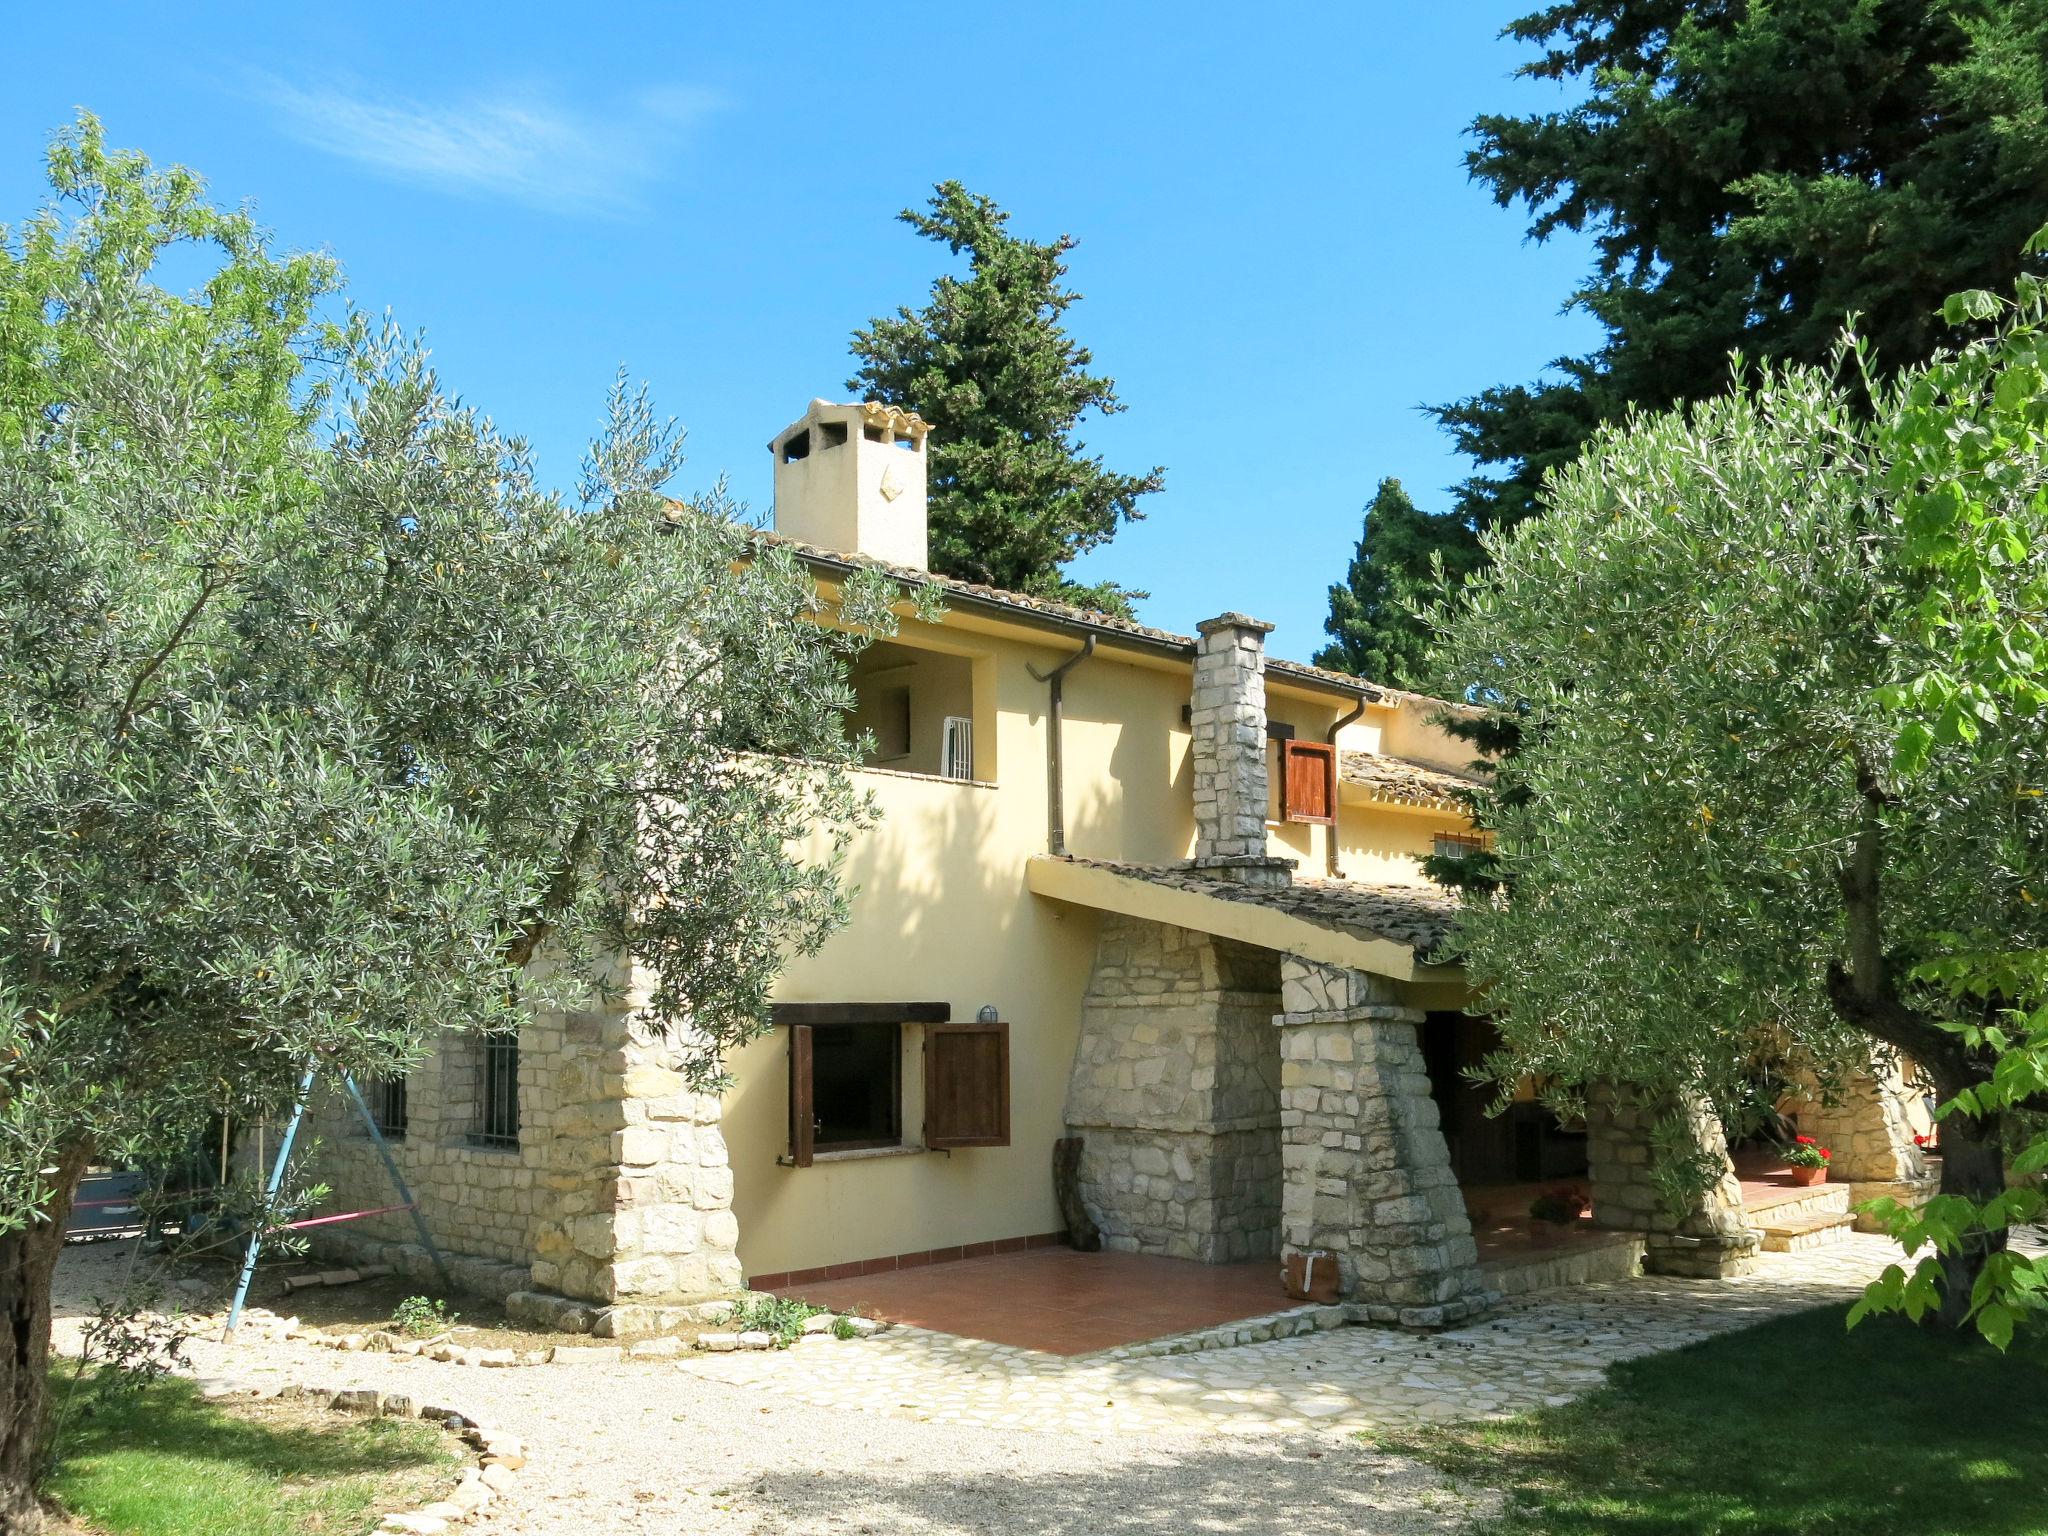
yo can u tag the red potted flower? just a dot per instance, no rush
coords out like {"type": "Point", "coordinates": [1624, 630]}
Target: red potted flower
{"type": "Point", "coordinates": [1808, 1160]}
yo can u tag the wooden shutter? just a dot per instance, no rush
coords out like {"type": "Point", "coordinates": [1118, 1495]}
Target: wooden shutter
{"type": "Point", "coordinates": [1308, 781]}
{"type": "Point", "coordinates": [803, 1111]}
{"type": "Point", "coordinates": [967, 1085]}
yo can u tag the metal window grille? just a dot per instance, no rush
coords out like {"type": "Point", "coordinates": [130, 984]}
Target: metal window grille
{"type": "Point", "coordinates": [957, 748]}
{"type": "Point", "coordinates": [497, 1100]}
{"type": "Point", "coordinates": [1459, 845]}
{"type": "Point", "coordinates": [387, 1105]}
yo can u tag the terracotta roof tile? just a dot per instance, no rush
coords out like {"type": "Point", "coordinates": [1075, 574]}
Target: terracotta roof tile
{"type": "Point", "coordinates": [1397, 780]}
{"type": "Point", "coordinates": [1067, 613]}
{"type": "Point", "coordinates": [1419, 916]}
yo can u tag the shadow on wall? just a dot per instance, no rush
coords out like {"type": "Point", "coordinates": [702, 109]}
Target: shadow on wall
{"type": "Point", "coordinates": [1130, 782]}
{"type": "Point", "coordinates": [1337, 1488]}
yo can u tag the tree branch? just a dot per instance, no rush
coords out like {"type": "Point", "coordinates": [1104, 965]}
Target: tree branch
{"type": "Point", "coordinates": [155, 664]}
{"type": "Point", "coordinates": [531, 933]}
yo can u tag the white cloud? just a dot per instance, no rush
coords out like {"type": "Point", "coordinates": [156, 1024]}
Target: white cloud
{"type": "Point", "coordinates": [518, 145]}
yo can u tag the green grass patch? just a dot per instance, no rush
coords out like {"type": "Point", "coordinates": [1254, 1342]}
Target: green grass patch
{"type": "Point", "coordinates": [162, 1462]}
{"type": "Point", "coordinates": [1791, 1427]}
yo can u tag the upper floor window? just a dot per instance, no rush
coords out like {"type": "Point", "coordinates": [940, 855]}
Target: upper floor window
{"type": "Point", "coordinates": [1308, 781]}
{"type": "Point", "coordinates": [1459, 845]}
{"type": "Point", "coordinates": [916, 709]}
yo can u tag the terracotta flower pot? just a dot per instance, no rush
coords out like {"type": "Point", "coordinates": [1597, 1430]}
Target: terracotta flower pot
{"type": "Point", "coordinates": [1810, 1175]}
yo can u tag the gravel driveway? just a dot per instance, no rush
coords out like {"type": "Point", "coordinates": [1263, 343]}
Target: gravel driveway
{"type": "Point", "coordinates": [656, 1448]}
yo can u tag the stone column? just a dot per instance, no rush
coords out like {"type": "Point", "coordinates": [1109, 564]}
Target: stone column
{"type": "Point", "coordinates": [1175, 1094]}
{"type": "Point", "coordinates": [639, 1218]}
{"type": "Point", "coordinates": [1368, 1175]}
{"type": "Point", "coordinates": [1862, 1121]}
{"type": "Point", "coordinates": [1708, 1237]}
{"type": "Point", "coordinates": [1228, 719]}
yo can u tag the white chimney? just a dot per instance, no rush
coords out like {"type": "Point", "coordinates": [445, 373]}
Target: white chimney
{"type": "Point", "coordinates": [851, 479]}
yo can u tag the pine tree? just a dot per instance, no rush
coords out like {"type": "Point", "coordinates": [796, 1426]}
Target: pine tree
{"type": "Point", "coordinates": [1373, 628]}
{"type": "Point", "coordinates": [989, 364]}
{"type": "Point", "coordinates": [1752, 174]}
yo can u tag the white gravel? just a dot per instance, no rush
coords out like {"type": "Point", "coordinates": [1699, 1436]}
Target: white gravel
{"type": "Point", "coordinates": [651, 1448]}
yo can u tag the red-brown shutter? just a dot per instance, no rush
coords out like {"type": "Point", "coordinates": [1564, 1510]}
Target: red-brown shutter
{"type": "Point", "coordinates": [967, 1085]}
{"type": "Point", "coordinates": [803, 1111]}
{"type": "Point", "coordinates": [1308, 781]}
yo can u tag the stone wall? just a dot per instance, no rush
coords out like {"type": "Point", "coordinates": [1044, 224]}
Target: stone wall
{"type": "Point", "coordinates": [1367, 1172]}
{"type": "Point", "coordinates": [617, 1192]}
{"type": "Point", "coordinates": [1174, 1092]}
{"type": "Point", "coordinates": [483, 1201]}
{"type": "Point", "coordinates": [1862, 1120]}
{"type": "Point", "coordinates": [1705, 1237]}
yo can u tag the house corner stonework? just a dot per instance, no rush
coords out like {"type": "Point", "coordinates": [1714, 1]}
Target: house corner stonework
{"type": "Point", "coordinates": [640, 1218]}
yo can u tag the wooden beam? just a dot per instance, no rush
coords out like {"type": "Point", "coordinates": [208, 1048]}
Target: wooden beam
{"type": "Point", "coordinates": [860, 1013]}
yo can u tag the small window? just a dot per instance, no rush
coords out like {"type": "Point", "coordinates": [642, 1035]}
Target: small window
{"type": "Point", "coordinates": [386, 1098]}
{"type": "Point", "coordinates": [845, 1088]}
{"type": "Point", "coordinates": [497, 1100]}
{"type": "Point", "coordinates": [1458, 845]}
{"type": "Point", "coordinates": [957, 760]}
{"type": "Point", "coordinates": [875, 434]}
{"type": "Point", "coordinates": [796, 446]}
{"type": "Point", "coordinates": [1308, 782]}
{"type": "Point", "coordinates": [831, 434]}
{"type": "Point", "coordinates": [905, 440]}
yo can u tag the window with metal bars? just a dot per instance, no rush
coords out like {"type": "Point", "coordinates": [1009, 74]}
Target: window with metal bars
{"type": "Point", "coordinates": [497, 1098]}
{"type": "Point", "coordinates": [386, 1098]}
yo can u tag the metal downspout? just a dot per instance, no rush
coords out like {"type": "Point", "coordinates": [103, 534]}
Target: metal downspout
{"type": "Point", "coordinates": [1055, 757]}
{"type": "Point", "coordinates": [1337, 774]}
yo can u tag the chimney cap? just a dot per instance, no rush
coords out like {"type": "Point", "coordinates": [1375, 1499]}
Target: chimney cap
{"type": "Point", "coordinates": [873, 413]}
{"type": "Point", "coordinates": [1233, 620]}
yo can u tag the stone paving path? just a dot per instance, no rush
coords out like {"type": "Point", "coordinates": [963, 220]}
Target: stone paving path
{"type": "Point", "coordinates": [1541, 1349]}
{"type": "Point", "coordinates": [1241, 1439]}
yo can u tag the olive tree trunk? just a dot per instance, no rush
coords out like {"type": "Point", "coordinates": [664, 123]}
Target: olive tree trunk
{"type": "Point", "coordinates": [1973, 1166]}
{"type": "Point", "coordinates": [28, 1261]}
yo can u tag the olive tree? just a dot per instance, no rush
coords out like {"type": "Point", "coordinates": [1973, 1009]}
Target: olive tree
{"type": "Point", "coordinates": [320, 719]}
{"type": "Point", "coordinates": [1713, 850]}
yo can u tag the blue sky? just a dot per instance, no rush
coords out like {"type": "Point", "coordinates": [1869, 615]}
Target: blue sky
{"type": "Point", "coordinates": [1280, 250]}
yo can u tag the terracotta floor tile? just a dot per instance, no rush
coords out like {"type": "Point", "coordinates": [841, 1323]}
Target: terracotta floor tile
{"type": "Point", "coordinates": [1059, 1301]}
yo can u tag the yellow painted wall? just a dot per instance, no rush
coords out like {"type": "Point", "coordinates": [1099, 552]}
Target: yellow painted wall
{"type": "Point", "coordinates": [942, 913]}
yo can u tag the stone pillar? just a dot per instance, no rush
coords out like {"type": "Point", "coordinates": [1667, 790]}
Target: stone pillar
{"type": "Point", "coordinates": [1228, 719]}
{"type": "Point", "coordinates": [1175, 1094]}
{"type": "Point", "coordinates": [1368, 1175]}
{"type": "Point", "coordinates": [1862, 1121]}
{"type": "Point", "coordinates": [639, 1216]}
{"type": "Point", "coordinates": [1708, 1238]}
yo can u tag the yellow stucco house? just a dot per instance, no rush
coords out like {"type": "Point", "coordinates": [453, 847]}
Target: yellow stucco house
{"type": "Point", "coordinates": [1152, 898]}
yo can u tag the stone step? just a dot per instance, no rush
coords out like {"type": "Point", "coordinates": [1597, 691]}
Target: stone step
{"type": "Point", "coordinates": [1796, 1234]}
{"type": "Point", "coordinates": [1820, 1200]}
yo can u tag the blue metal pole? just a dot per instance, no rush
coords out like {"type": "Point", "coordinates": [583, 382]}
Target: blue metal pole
{"type": "Point", "coordinates": [284, 1156]}
{"type": "Point", "coordinates": [419, 1222]}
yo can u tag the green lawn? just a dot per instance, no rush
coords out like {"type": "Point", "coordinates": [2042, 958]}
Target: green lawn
{"type": "Point", "coordinates": [162, 1462]}
{"type": "Point", "coordinates": [1792, 1426]}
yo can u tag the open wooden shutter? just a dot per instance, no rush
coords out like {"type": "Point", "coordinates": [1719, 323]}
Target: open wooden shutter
{"type": "Point", "coordinates": [803, 1109]}
{"type": "Point", "coordinates": [966, 1085]}
{"type": "Point", "coordinates": [1308, 781]}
